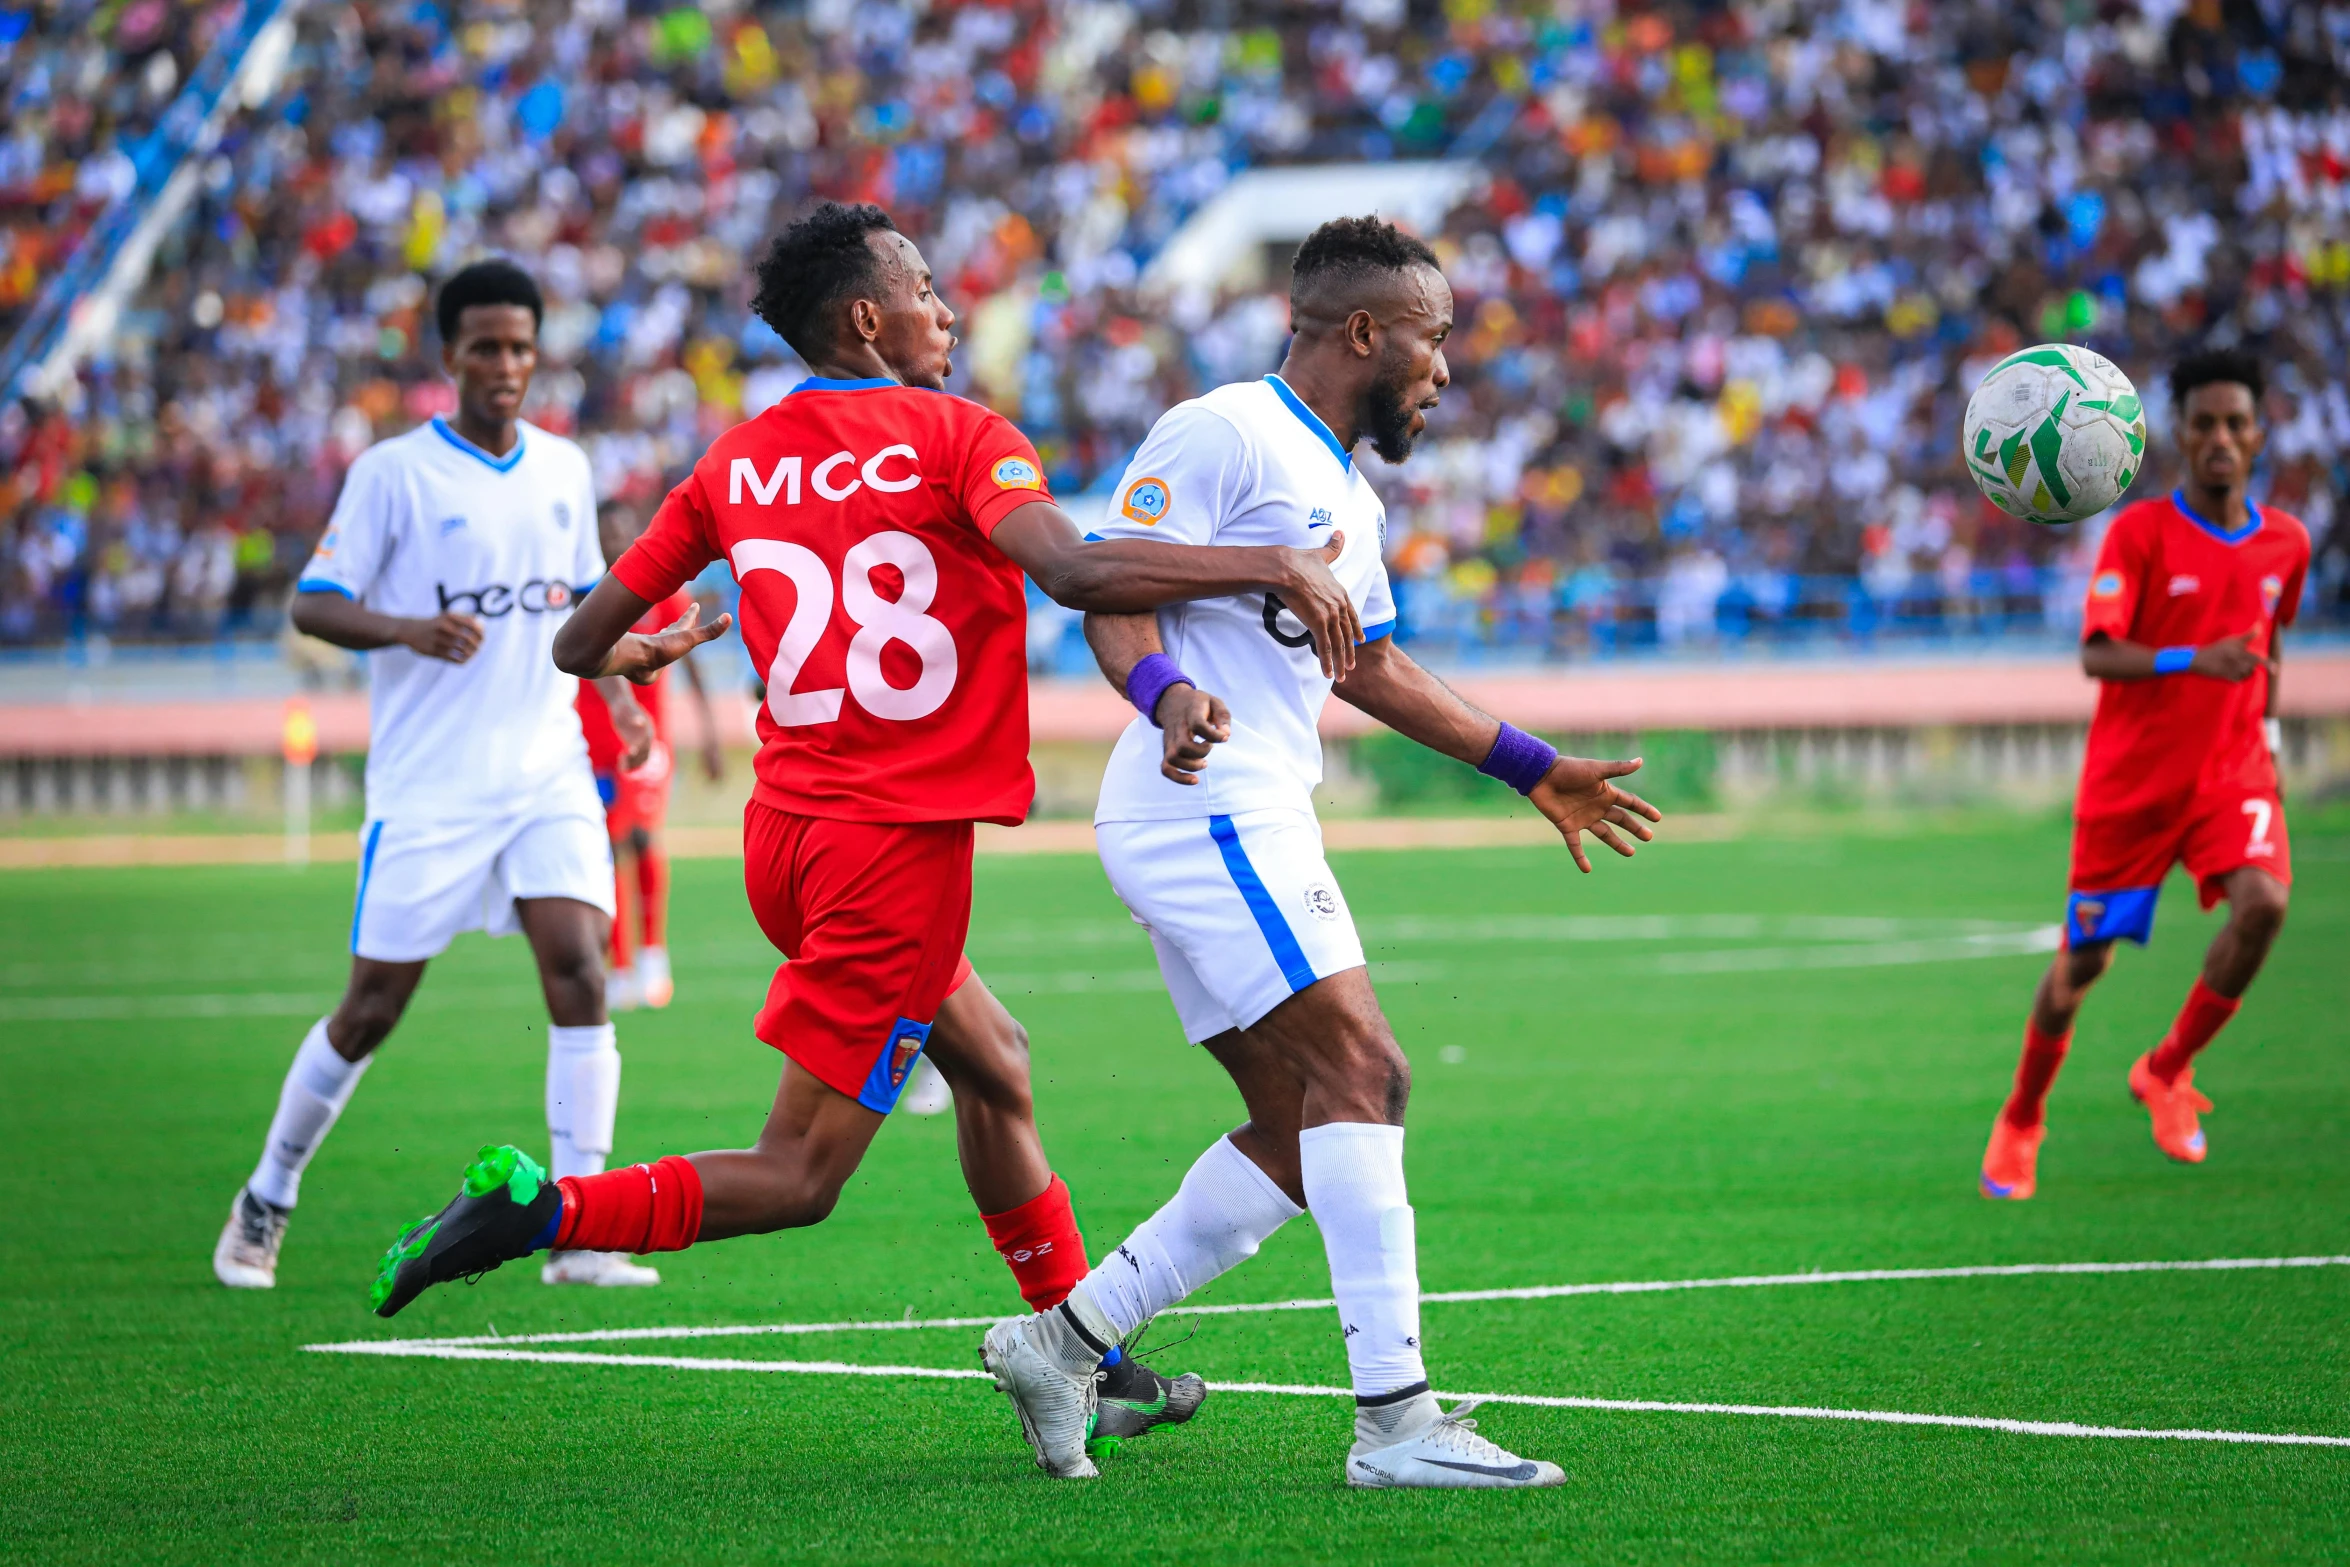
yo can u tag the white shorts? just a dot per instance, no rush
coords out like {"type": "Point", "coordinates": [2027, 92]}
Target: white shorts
{"type": "Point", "coordinates": [1242, 910]}
{"type": "Point", "coordinates": [421, 881]}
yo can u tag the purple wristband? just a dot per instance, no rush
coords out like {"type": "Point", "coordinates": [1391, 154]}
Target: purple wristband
{"type": "Point", "coordinates": [1148, 681]}
{"type": "Point", "coordinates": [1518, 759]}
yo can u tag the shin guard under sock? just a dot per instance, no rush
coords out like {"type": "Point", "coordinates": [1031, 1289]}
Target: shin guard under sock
{"type": "Point", "coordinates": [2205, 1013]}
{"type": "Point", "coordinates": [1039, 1242]}
{"type": "Point", "coordinates": [642, 1208]}
{"type": "Point", "coordinates": [2035, 1072]}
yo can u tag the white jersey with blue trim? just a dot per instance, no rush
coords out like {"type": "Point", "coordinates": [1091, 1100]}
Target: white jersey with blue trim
{"type": "Point", "coordinates": [428, 522]}
{"type": "Point", "coordinates": [1248, 463]}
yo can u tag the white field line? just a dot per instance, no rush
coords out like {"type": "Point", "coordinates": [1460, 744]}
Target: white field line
{"type": "Point", "coordinates": [2006, 1270]}
{"type": "Point", "coordinates": [416, 1349]}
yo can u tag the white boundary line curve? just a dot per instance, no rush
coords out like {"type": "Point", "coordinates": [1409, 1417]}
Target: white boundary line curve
{"type": "Point", "coordinates": [422, 1349]}
{"type": "Point", "coordinates": [1440, 1297]}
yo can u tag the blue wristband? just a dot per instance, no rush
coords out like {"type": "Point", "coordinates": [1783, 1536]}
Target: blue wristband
{"type": "Point", "coordinates": [1148, 681]}
{"type": "Point", "coordinates": [2173, 660]}
{"type": "Point", "coordinates": [1518, 759]}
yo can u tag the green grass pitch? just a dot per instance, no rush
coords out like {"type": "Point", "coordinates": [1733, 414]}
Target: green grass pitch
{"type": "Point", "coordinates": [1701, 1100]}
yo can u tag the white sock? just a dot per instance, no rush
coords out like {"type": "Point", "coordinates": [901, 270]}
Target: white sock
{"type": "Point", "coordinates": [1355, 1190]}
{"type": "Point", "coordinates": [317, 1086]}
{"type": "Point", "coordinates": [1224, 1210]}
{"type": "Point", "coordinates": [583, 1097]}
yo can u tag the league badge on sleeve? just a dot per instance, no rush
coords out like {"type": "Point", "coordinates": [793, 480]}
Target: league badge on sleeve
{"type": "Point", "coordinates": [2106, 585]}
{"type": "Point", "coordinates": [1146, 501]}
{"type": "Point", "coordinates": [1017, 473]}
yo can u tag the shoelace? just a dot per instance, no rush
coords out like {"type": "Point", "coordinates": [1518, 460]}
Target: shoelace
{"type": "Point", "coordinates": [1457, 1433]}
{"type": "Point", "coordinates": [261, 1226]}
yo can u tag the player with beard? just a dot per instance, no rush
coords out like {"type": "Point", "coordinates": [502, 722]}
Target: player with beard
{"type": "Point", "coordinates": [1223, 865]}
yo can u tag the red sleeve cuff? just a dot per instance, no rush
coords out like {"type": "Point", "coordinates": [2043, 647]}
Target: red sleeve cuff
{"type": "Point", "coordinates": [641, 577]}
{"type": "Point", "coordinates": [993, 510]}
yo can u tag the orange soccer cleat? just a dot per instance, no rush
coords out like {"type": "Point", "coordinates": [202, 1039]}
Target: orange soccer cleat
{"type": "Point", "coordinates": [2011, 1164]}
{"type": "Point", "coordinates": [2174, 1107]}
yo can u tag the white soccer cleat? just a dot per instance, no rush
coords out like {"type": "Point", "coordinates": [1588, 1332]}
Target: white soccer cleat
{"type": "Point", "coordinates": [1448, 1455]}
{"type": "Point", "coordinates": [623, 991]}
{"type": "Point", "coordinates": [246, 1256]}
{"type": "Point", "coordinates": [652, 977]}
{"type": "Point", "coordinates": [928, 1093]}
{"type": "Point", "coordinates": [610, 1269]}
{"type": "Point", "coordinates": [1055, 1404]}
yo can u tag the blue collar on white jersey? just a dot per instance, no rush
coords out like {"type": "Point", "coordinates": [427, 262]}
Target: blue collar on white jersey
{"type": "Point", "coordinates": [1312, 421]}
{"type": "Point", "coordinates": [503, 464]}
{"type": "Point", "coordinates": [2252, 520]}
{"type": "Point", "coordinates": [826, 383]}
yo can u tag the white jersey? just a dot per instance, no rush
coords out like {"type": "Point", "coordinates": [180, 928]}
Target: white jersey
{"type": "Point", "coordinates": [428, 522]}
{"type": "Point", "coordinates": [1248, 463]}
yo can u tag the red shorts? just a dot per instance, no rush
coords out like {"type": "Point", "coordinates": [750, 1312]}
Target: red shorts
{"type": "Point", "coordinates": [2119, 861]}
{"type": "Point", "coordinates": [640, 798]}
{"type": "Point", "coordinates": [872, 917]}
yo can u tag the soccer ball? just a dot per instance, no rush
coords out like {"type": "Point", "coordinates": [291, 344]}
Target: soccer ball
{"type": "Point", "coordinates": [2054, 434]}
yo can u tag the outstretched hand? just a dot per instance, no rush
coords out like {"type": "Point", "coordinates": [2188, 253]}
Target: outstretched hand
{"type": "Point", "coordinates": [1577, 797]}
{"type": "Point", "coordinates": [1191, 723]}
{"type": "Point", "coordinates": [640, 658]}
{"type": "Point", "coordinates": [1314, 596]}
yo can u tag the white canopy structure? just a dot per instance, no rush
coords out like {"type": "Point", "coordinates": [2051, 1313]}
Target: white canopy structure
{"type": "Point", "coordinates": [1223, 242]}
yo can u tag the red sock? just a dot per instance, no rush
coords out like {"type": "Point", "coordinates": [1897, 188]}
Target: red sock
{"type": "Point", "coordinates": [1039, 1242]}
{"type": "Point", "coordinates": [623, 946]}
{"type": "Point", "coordinates": [645, 1207]}
{"type": "Point", "coordinates": [2205, 1014]}
{"type": "Point", "coordinates": [2033, 1075]}
{"type": "Point", "coordinates": [652, 879]}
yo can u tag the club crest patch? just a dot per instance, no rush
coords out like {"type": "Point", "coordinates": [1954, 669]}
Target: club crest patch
{"type": "Point", "coordinates": [902, 1052]}
{"type": "Point", "coordinates": [1016, 473]}
{"type": "Point", "coordinates": [2271, 590]}
{"type": "Point", "coordinates": [2087, 912]}
{"type": "Point", "coordinates": [1322, 901]}
{"type": "Point", "coordinates": [562, 514]}
{"type": "Point", "coordinates": [2106, 585]}
{"type": "Point", "coordinates": [1146, 501]}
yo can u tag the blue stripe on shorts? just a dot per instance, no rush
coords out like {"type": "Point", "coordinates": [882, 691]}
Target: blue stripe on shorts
{"type": "Point", "coordinates": [1286, 952]}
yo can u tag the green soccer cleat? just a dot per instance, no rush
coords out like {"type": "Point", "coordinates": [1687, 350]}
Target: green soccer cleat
{"type": "Point", "coordinates": [1136, 1399]}
{"type": "Point", "coordinates": [503, 1208]}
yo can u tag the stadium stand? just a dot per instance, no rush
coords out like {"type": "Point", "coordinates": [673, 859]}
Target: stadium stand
{"type": "Point", "coordinates": [1725, 280]}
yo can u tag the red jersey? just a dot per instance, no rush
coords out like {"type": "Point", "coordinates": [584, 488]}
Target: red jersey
{"type": "Point", "coordinates": [2169, 578]}
{"type": "Point", "coordinates": [595, 719]}
{"type": "Point", "coordinates": [856, 516]}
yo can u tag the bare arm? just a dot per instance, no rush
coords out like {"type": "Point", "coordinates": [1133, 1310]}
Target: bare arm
{"type": "Point", "coordinates": [2106, 657]}
{"type": "Point", "coordinates": [1576, 795]}
{"type": "Point", "coordinates": [1191, 722]}
{"type": "Point", "coordinates": [630, 721]}
{"type": "Point", "coordinates": [2276, 668]}
{"type": "Point", "coordinates": [346, 622]}
{"type": "Point", "coordinates": [1122, 576]}
{"type": "Point", "coordinates": [596, 642]}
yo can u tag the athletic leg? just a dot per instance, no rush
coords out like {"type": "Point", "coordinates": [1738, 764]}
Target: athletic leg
{"type": "Point", "coordinates": [2048, 1032]}
{"type": "Point", "coordinates": [324, 1075]}
{"type": "Point", "coordinates": [327, 1069]}
{"type": "Point", "coordinates": [2238, 850]}
{"type": "Point", "coordinates": [652, 879]}
{"type": "Point", "coordinates": [624, 901]}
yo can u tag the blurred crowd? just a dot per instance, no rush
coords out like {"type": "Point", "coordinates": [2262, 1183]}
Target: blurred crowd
{"type": "Point", "coordinates": [1722, 292]}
